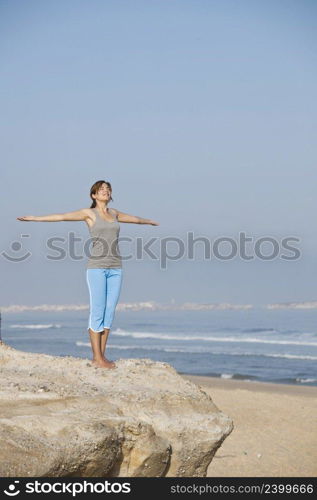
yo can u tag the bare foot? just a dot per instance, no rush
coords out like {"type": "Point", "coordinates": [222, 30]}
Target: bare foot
{"type": "Point", "coordinates": [108, 360]}
{"type": "Point", "coordinates": [103, 363]}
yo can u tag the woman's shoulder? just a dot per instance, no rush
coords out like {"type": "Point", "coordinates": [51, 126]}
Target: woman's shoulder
{"type": "Point", "coordinates": [114, 211]}
{"type": "Point", "coordinates": [87, 211]}
{"type": "Point", "coordinates": [90, 216]}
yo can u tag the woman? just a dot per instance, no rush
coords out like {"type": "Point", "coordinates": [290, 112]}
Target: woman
{"type": "Point", "coordinates": [104, 268]}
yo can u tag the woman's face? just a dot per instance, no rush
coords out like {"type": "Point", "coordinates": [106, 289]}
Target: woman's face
{"type": "Point", "coordinates": [104, 192]}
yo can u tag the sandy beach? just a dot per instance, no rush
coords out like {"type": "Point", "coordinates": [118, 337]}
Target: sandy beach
{"type": "Point", "coordinates": [275, 430]}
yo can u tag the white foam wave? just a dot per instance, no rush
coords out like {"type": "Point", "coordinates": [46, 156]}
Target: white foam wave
{"type": "Point", "coordinates": [83, 344]}
{"type": "Point", "coordinates": [199, 351]}
{"type": "Point", "coordinates": [306, 380]}
{"type": "Point", "coordinates": [286, 356]}
{"type": "Point", "coordinates": [132, 347]}
{"type": "Point", "coordinates": [253, 340]}
{"type": "Point", "coordinates": [290, 356]}
{"type": "Point", "coordinates": [37, 326]}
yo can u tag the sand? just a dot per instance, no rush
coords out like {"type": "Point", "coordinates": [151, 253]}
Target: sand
{"type": "Point", "coordinates": [275, 432]}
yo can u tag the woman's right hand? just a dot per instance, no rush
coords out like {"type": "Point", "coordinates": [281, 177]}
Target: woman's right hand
{"type": "Point", "coordinates": [27, 218]}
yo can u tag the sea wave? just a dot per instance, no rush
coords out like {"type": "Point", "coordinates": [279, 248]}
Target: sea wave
{"type": "Point", "coordinates": [238, 376]}
{"type": "Point", "coordinates": [259, 330]}
{"type": "Point", "coordinates": [253, 340]}
{"type": "Point", "coordinates": [306, 380]}
{"type": "Point", "coordinates": [295, 380]}
{"type": "Point", "coordinates": [37, 326]}
{"type": "Point", "coordinates": [201, 351]}
{"type": "Point", "coordinates": [290, 356]}
{"type": "Point", "coordinates": [135, 348]}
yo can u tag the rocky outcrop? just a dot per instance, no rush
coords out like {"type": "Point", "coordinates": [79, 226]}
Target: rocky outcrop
{"type": "Point", "coordinates": [61, 416]}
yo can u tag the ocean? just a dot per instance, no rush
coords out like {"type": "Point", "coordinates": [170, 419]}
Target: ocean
{"type": "Point", "coordinates": [278, 346]}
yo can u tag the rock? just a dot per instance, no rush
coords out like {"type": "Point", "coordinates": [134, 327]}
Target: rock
{"type": "Point", "coordinates": [67, 420]}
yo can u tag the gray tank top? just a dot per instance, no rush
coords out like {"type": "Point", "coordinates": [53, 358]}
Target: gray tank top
{"type": "Point", "coordinates": [104, 251]}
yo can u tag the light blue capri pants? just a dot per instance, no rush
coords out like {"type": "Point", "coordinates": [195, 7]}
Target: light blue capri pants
{"type": "Point", "coordinates": [104, 290]}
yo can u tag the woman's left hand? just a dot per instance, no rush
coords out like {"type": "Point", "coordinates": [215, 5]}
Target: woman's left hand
{"type": "Point", "coordinates": [153, 223]}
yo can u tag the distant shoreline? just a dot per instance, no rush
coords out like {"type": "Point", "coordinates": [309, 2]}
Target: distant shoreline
{"type": "Point", "coordinates": [156, 306]}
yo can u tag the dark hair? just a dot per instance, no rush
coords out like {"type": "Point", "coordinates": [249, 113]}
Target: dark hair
{"type": "Point", "coordinates": [95, 187]}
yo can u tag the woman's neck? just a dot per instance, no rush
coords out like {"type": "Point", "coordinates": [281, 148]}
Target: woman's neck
{"type": "Point", "coordinates": [102, 207]}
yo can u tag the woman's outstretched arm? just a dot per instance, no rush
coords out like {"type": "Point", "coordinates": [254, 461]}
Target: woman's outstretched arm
{"type": "Point", "coordinates": [134, 219]}
{"type": "Point", "coordinates": [78, 215]}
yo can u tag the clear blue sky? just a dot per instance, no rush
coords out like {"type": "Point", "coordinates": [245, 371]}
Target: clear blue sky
{"type": "Point", "coordinates": [201, 113]}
